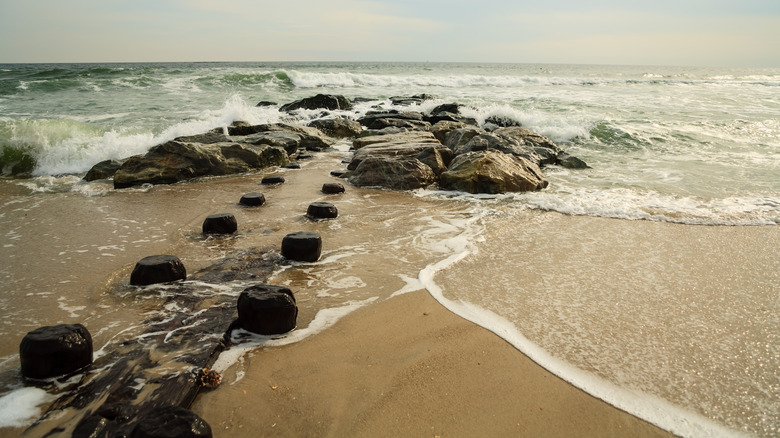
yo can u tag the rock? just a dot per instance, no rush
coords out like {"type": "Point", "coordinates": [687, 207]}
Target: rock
{"type": "Point", "coordinates": [570, 162]}
{"type": "Point", "coordinates": [453, 108]}
{"type": "Point", "coordinates": [339, 127]}
{"type": "Point", "coordinates": [332, 188]}
{"type": "Point", "coordinates": [157, 269]}
{"type": "Point", "coordinates": [392, 173]}
{"type": "Point", "coordinates": [398, 149]}
{"type": "Point", "coordinates": [455, 139]}
{"type": "Point", "coordinates": [273, 179]}
{"type": "Point", "coordinates": [310, 138]}
{"type": "Point", "coordinates": [492, 172]}
{"type": "Point", "coordinates": [55, 351]}
{"type": "Point", "coordinates": [176, 161]}
{"type": "Point", "coordinates": [267, 310]}
{"type": "Point", "coordinates": [103, 170]}
{"type": "Point", "coordinates": [252, 199]}
{"type": "Point", "coordinates": [450, 117]}
{"type": "Point", "coordinates": [289, 141]}
{"type": "Point", "coordinates": [502, 121]}
{"type": "Point", "coordinates": [171, 422]}
{"type": "Point", "coordinates": [432, 157]}
{"type": "Point", "coordinates": [320, 101]}
{"type": "Point", "coordinates": [338, 173]}
{"type": "Point", "coordinates": [302, 246]}
{"type": "Point", "coordinates": [322, 210]}
{"type": "Point", "coordinates": [263, 103]}
{"type": "Point", "coordinates": [207, 138]}
{"type": "Point", "coordinates": [222, 223]}
{"type": "Point", "coordinates": [394, 119]}
{"type": "Point", "coordinates": [413, 100]}
{"type": "Point", "coordinates": [442, 128]}
{"type": "Point", "coordinates": [527, 137]}
{"type": "Point", "coordinates": [397, 138]}
{"type": "Point", "coordinates": [292, 165]}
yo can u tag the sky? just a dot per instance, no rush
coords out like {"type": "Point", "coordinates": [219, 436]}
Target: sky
{"type": "Point", "coordinates": [732, 33]}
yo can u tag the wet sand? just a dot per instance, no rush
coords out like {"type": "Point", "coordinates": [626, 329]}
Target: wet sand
{"type": "Point", "coordinates": [405, 367]}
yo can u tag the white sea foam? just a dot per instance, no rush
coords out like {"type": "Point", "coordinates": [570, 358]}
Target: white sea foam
{"type": "Point", "coordinates": [19, 408]}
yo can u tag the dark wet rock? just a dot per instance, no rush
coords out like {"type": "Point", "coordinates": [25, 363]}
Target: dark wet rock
{"type": "Point", "coordinates": [384, 131]}
{"type": "Point", "coordinates": [411, 100]}
{"type": "Point", "coordinates": [171, 422]}
{"type": "Point", "coordinates": [222, 223]}
{"type": "Point", "coordinates": [337, 173]}
{"type": "Point", "coordinates": [310, 138]}
{"type": "Point", "coordinates": [253, 199]}
{"type": "Point", "coordinates": [450, 117]}
{"type": "Point", "coordinates": [207, 138]}
{"type": "Point", "coordinates": [456, 138]}
{"type": "Point", "coordinates": [302, 246]}
{"type": "Point", "coordinates": [570, 162]}
{"type": "Point", "coordinates": [502, 121]}
{"type": "Point", "coordinates": [320, 101]}
{"type": "Point", "coordinates": [392, 173]}
{"type": "Point", "coordinates": [453, 108]}
{"type": "Point", "coordinates": [322, 210]}
{"type": "Point", "coordinates": [332, 188]}
{"type": "Point", "coordinates": [339, 127]}
{"type": "Point", "coordinates": [103, 170]}
{"type": "Point", "coordinates": [492, 172]}
{"type": "Point", "coordinates": [394, 119]}
{"type": "Point", "coordinates": [527, 137]}
{"type": "Point", "coordinates": [157, 269]}
{"type": "Point", "coordinates": [55, 351]}
{"type": "Point", "coordinates": [273, 179]}
{"type": "Point", "coordinates": [304, 156]}
{"type": "Point", "coordinates": [263, 103]}
{"type": "Point", "coordinates": [432, 157]}
{"type": "Point", "coordinates": [289, 141]}
{"type": "Point", "coordinates": [395, 138]}
{"type": "Point", "coordinates": [175, 161]}
{"type": "Point", "coordinates": [267, 310]}
{"type": "Point", "coordinates": [292, 165]}
{"type": "Point", "coordinates": [442, 128]}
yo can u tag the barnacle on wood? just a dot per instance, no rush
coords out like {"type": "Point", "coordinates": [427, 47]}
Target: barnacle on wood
{"type": "Point", "coordinates": [209, 378]}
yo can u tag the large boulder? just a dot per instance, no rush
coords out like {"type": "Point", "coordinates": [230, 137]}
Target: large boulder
{"type": "Point", "coordinates": [392, 173]}
{"type": "Point", "coordinates": [103, 170]}
{"type": "Point", "coordinates": [320, 101]}
{"type": "Point", "coordinates": [398, 150]}
{"type": "Point", "coordinates": [339, 127]}
{"type": "Point", "coordinates": [176, 161]}
{"type": "Point", "coordinates": [492, 172]}
{"type": "Point", "coordinates": [310, 138]}
{"type": "Point", "coordinates": [396, 138]}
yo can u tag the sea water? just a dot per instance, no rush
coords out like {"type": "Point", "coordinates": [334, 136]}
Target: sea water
{"type": "Point", "coordinates": [670, 149]}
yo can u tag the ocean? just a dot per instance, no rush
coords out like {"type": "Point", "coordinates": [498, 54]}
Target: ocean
{"type": "Point", "coordinates": [650, 280]}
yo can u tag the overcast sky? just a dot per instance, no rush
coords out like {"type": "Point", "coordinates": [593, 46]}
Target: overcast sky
{"type": "Point", "coordinates": [652, 32]}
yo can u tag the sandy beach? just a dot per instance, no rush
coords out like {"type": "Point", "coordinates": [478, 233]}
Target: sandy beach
{"type": "Point", "coordinates": [405, 367]}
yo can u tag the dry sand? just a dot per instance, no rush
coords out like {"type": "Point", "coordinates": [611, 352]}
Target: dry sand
{"type": "Point", "coordinates": [405, 367]}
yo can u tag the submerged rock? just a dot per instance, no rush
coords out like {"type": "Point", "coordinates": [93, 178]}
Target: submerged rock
{"type": "Point", "coordinates": [157, 269]}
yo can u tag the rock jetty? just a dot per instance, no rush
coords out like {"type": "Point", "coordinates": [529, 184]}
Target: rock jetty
{"type": "Point", "coordinates": [393, 149]}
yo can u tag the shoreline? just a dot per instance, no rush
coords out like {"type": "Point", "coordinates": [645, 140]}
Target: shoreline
{"type": "Point", "coordinates": [406, 366]}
